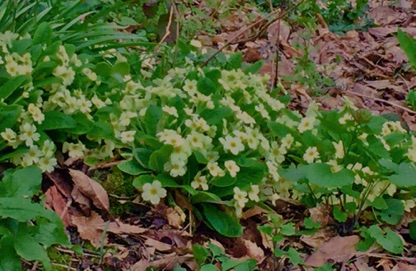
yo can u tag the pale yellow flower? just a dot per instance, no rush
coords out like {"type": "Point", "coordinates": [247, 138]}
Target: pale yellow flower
{"type": "Point", "coordinates": [153, 192]}
{"type": "Point", "coordinates": [232, 167]}
{"type": "Point", "coordinates": [311, 154]}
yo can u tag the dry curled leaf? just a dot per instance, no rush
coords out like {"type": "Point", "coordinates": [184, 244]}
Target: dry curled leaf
{"type": "Point", "coordinates": [90, 188]}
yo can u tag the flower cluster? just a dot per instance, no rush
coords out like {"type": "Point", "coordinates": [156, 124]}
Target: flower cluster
{"type": "Point", "coordinates": [212, 131]}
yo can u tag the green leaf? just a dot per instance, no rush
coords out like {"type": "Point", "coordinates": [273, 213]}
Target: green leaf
{"type": "Point", "coordinates": [43, 34]}
{"type": "Point", "coordinates": [255, 67]}
{"type": "Point", "coordinates": [408, 45]}
{"type": "Point", "coordinates": [278, 129]}
{"type": "Point", "coordinates": [389, 240]}
{"type": "Point", "coordinates": [27, 247]}
{"type": "Point", "coordinates": [12, 84]}
{"type": "Point", "coordinates": [158, 158]}
{"type": "Point", "coordinates": [21, 183]}
{"type": "Point", "coordinates": [103, 69]}
{"type": "Point", "coordinates": [394, 213]}
{"type": "Point", "coordinates": [234, 62]}
{"type": "Point", "coordinates": [202, 196]}
{"type": "Point", "coordinates": [121, 68]}
{"type": "Point", "coordinates": [57, 120]}
{"type": "Point", "coordinates": [200, 253]}
{"type": "Point", "coordinates": [288, 229]}
{"type": "Point", "coordinates": [412, 230]}
{"type": "Point", "coordinates": [142, 156]}
{"type": "Point", "coordinates": [405, 176]}
{"type": "Point", "coordinates": [206, 86]}
{"type": "Point", "coordinates": [309, 223]}
{"type": "Point", "coordinates": [320, 174]}
{"type": "Point", "coordinates": [339, 215]}
{"type": "Point", "coordinates": [153, 114]}
{"type": "Point", "coordinates": [83, 125]}
{"type": "Point", "coordinates": [9, 260]}
{"type": "Point", "coordinates": [209, 267]}
{"type": "Point", "coordinates": [224, 181]}
{"type": "Point", "coordinates": [23, 210]}
{"type": "Point", "coordinates": [221, 222]}
{"type": "Point", "coordinates": [131, 167]}
{"type": "Point", "coordinates": [9, 115]}
{"type": "Point", "coordinates": [138, 182]}
{"type": "Point", "coordinates": [215, 250]}
{"type": "Point", "coordinates": [293, 256]}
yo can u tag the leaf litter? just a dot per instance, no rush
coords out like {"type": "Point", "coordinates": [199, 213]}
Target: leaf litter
{"type": "Point", "coordinates": [363, 66]}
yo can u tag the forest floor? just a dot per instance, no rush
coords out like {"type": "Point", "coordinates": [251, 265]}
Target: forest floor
{"type": "Point", "coordinates": [368, 67]}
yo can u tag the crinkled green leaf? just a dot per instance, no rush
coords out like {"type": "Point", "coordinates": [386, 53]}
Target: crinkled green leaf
{"type": "Point", "coordinates": [223, 223]}
{"type": "Point", "coordinates": [320, 174]}
{"type": "Point", "coordinates": [389, 240]}
{"type": "Point", "coordinates": [23, 182]}
{"type": "Point", "coordinates": [405, 176]}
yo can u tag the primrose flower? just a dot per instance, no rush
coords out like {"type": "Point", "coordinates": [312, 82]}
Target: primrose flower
{"type": "Point", "coordinates": [347, 117]}
{"type": "Point", "coordinates": [9, 135]}
{"type": "Point", "coordinates": [153, 192]}
{"type": "Point", "coordinates": [47, 163]}
{"type": "Point", "coordinates": [215, 170]}
{"type": "Point", "coordinates": [74, 150]}
{"type": "Point", "coordinates": [67, 74]}
{"type": "Point", "coordinates": [262, 110]}
{"type": "Point", "coordinates": [253, 193]}
{"type": "Point", "coordinates": [287, 141]}
{"type": "Point", "coordinates": [306, 124]}
{"type": "Point", "coordinates": [232, 167]}
{"type": "Point", "coordinates": [240, 197]}
{"type": "Point", "coordinates": [311, 154]}
{"type": "Point", "coordinates": [127, 136]}
{"type": "Point", "coordinates": [339, 150]}
{"type": "Point", "coordinates": [273, 171]}
{"type": "Point", "coordinates": [28, 134]}
{"type": "Point", "coordinates": [36, 113]}
{"type": "Point", "coordinates": [232, 144]}
{"type": "Point", "coordinates": [411, 154]}
{"type": "Point", "coordinates": [170, 110]}
{"type": "Point", "coordinates": [190, 86]}
{"type": "Point", "coordinates": [200, 181]}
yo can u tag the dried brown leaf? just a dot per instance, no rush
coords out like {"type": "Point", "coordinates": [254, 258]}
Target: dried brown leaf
{"type": "Point", "coordinates": [89, 228]}
{"type": "Point", "coordinates": [338, 249]}
{"type": "Point", "coordinates": [160, 246]}
{"type": "Point", "coordinates": [91, 189]}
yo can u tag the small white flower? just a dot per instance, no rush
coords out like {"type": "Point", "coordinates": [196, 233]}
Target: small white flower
{"type": "Point", "coordinates": [200, 181]}
{"type": "Point", "coordinates": [311, 154]}
{"type": "Point", "coordinates": [306, 124]}
{"type": "Point", "coordinates": [253, 193]}
{"type": "Point", "coordinates": [127, 136]}
{"type": "Point", "coordinates": [232, 167]}
{"type": "Point", "coordinates": [153, 192]}
{"type": "Point", "coordinates": [339, 150]}
{"type": "Point", "coordinates": [240, 197]}
{"type": "Point", "coordinates": [170, 110]}
{"type": "Point", "coordinates": [28, 134]}
{"type": "Point", "coordinates": [232, 144]}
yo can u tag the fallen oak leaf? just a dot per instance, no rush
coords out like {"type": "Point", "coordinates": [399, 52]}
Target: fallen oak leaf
{"type": "Point", "coordinates": [160, 246]}
{"type": "Point", "coordinates": [338, 249]}
{"type": "Point", "coordinates": [91, 189]}
{"type": "Point", "coordinates": [118, 227]}
{"type": "Point", "coordinates": [89, 228]}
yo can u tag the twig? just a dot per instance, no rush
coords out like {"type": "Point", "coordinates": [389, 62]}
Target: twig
{"type": "Point", "coordinates": [64, 266]}
{"type": "Point", "coordinates": [167, 30]}
{"type": "Point", "coordinates": [276, 63]}
{"type": "Point", "coordinates": [383, 101]}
